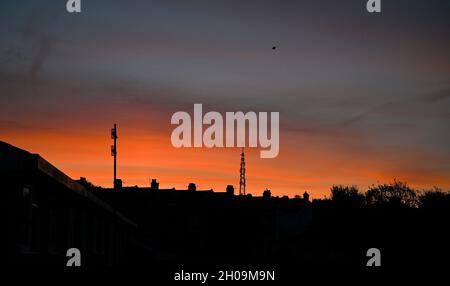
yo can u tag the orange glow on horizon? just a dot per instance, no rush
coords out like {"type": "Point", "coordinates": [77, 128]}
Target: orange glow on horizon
{"type": "Point", "coordinates": [143, 155]}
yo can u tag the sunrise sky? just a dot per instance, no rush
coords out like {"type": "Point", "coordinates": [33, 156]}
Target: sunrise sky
{"type": "Point", "coordinates": [363, 98]}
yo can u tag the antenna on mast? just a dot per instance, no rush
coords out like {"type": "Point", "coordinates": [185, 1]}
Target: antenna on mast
{"type": "Point", "coordinates": [114, 153]}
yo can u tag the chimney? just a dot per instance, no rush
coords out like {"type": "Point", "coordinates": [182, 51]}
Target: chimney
{"type": "Point", "coordinates": [117, 184]}
{"type": "Point", "coordinates": [230, 190]}
{"type": "Point", "coordinates": [154, 185]}
{"type": "Point", "coordinates": [192, 187]}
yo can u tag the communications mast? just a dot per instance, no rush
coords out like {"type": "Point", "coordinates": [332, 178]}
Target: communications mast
{"type": "Point", "coordinates": [114, 152]}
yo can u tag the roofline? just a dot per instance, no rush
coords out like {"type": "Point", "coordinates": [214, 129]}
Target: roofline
{"type": "Point", "coordinates": [35, 161]}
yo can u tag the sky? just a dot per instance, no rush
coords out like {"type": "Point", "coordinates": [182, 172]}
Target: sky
{"type": "Point", "coordinates": [363, 98]}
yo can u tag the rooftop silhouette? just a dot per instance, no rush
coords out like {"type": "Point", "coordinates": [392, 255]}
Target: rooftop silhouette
{"type": "Point", "coordinates": [157, 228]}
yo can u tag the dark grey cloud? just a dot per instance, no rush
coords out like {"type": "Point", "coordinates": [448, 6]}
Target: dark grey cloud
{"type": "Point", "coordinates": [10, 55]}
{"type": "Point", "coordinates": [43, 44]}
{"type": "Point", "coordinates": [15, 125]}
{"type": "Point", "coordinates": [397, 105]}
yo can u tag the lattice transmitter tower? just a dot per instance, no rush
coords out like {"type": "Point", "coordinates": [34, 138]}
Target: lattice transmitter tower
{"type": "Point", "coordinates": [242, 174]}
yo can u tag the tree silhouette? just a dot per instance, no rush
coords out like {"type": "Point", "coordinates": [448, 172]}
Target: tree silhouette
{"type": "Point", "coordinates": [347, 196]}
{"type": "Point", "coordinates": [396, 194]}
{"type": "Point", "coordinates": [435, 198]}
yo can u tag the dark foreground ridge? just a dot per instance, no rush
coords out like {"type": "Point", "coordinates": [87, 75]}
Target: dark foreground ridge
{"type": "Point", "coordinates": [166, 230]}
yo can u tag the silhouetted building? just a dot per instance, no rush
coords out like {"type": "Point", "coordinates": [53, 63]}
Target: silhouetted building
{"type": "Point", "coordinates": [202, 225]}
{"type": "Point", "coordinates": [51, 213]}
{"type": "Point", "coordinates": [48, 213]}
